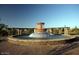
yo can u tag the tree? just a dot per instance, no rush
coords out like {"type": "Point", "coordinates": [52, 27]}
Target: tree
{"type": "Point", "coordinates": [3, 30]}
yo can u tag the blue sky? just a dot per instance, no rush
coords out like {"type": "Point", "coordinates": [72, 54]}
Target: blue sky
{"type": "Point", "coordinates": [27, 15]}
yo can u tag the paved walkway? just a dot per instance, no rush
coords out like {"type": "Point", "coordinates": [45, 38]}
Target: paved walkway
{"type": "Point", "coordinates": [62, 50]}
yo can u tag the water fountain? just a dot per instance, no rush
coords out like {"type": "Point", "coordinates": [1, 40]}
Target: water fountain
{"type": "Point", "coordinates": [39, 36]}
{"type": "Point", "coordinates": [39, 31]}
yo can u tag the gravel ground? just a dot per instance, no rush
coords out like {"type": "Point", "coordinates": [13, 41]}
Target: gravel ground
{"type": "Point", "coordinates": [7, 48]}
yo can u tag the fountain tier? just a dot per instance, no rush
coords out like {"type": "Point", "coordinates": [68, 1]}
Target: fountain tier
{"type": "Point", "coordinates": [39, 31]}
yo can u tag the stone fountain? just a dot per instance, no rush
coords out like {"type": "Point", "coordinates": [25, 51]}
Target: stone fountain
{"type": "Point", "coordinates": [39, 31]}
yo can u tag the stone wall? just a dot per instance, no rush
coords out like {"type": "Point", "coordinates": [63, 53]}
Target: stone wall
{"type": "Point", "coordinates": [36, 42]}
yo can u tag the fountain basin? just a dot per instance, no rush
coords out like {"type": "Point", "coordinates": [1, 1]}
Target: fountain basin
{"type": "Point", "coordinates": [37, 41]}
